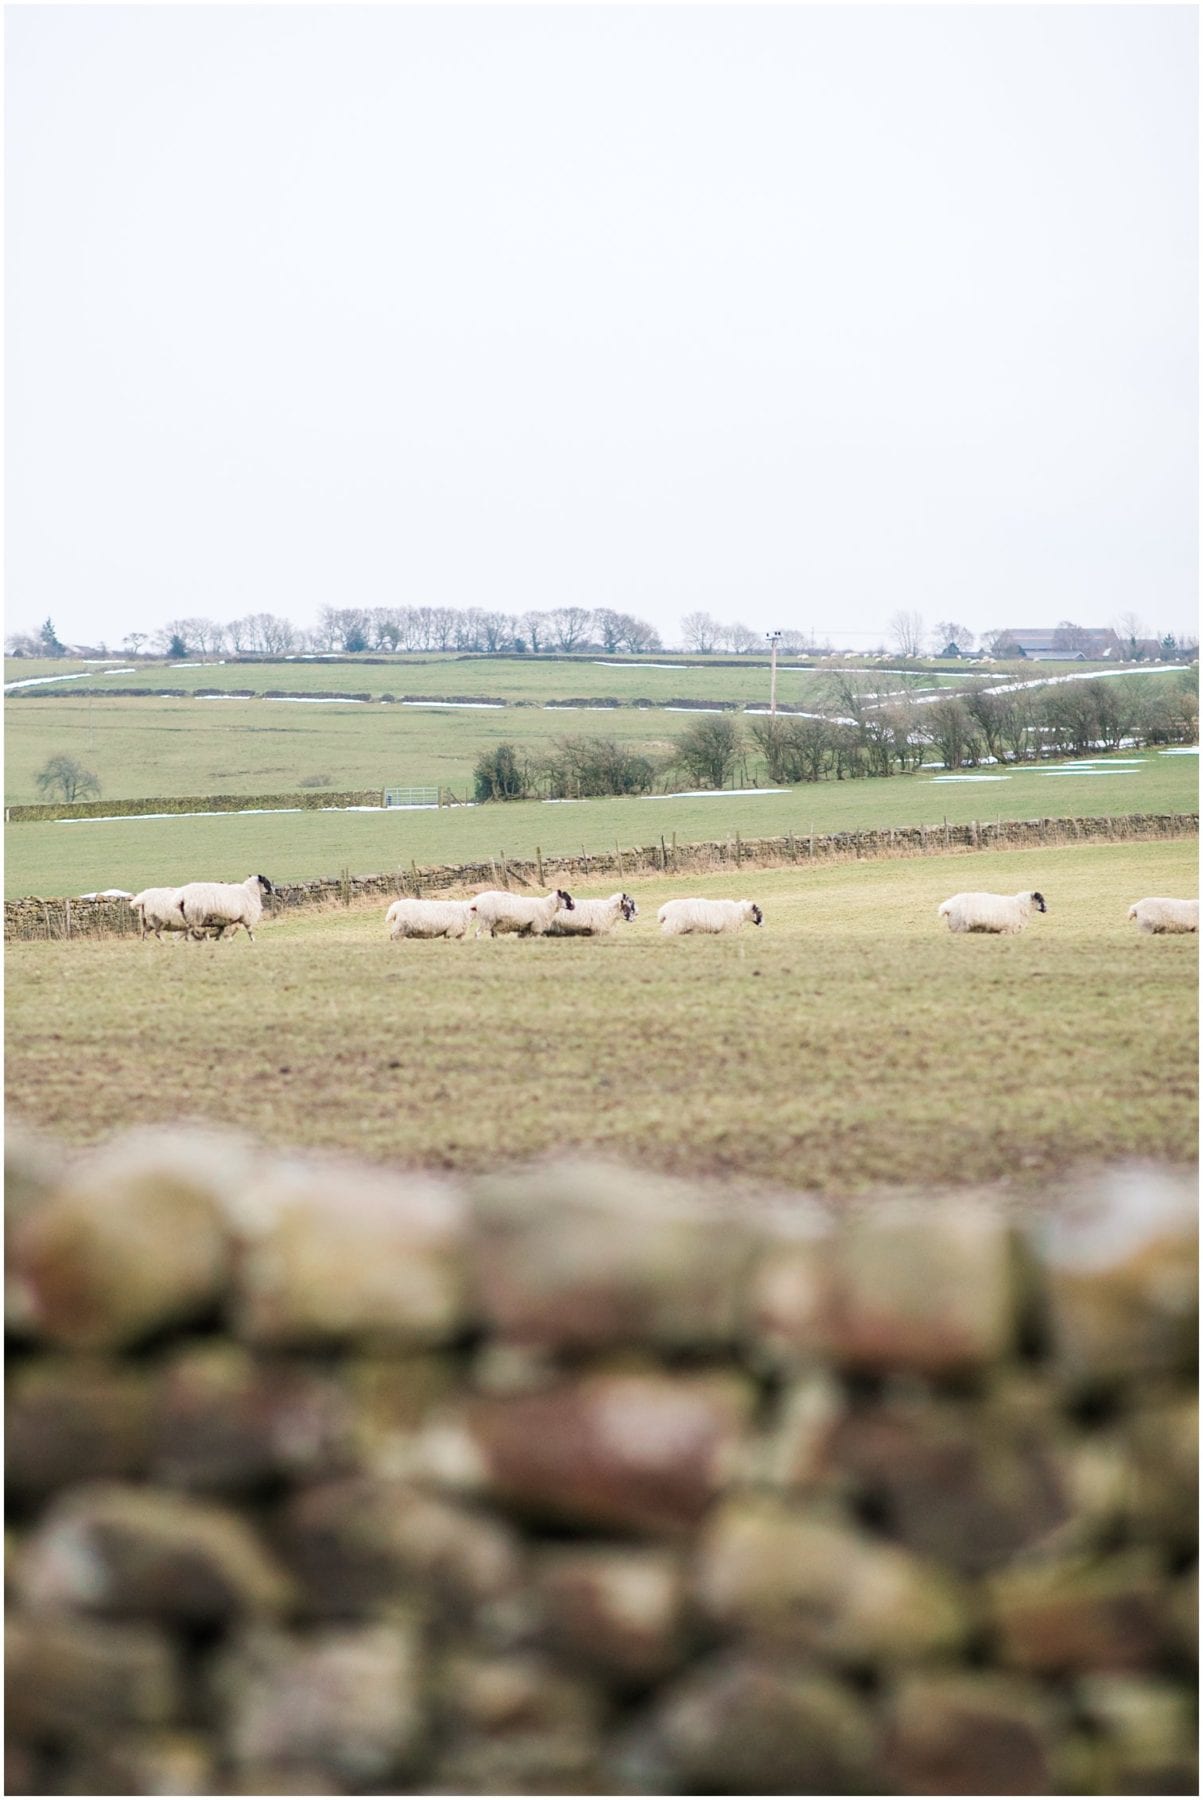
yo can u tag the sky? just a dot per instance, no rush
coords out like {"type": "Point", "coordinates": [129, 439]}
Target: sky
{"type": "Point", "coordinates": [797, 315]}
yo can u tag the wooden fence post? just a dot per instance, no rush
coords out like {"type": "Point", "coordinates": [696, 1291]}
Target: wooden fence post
{"type": "Point", "coordinates": [539, 865]}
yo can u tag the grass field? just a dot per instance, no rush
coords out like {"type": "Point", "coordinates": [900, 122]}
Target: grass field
{"type": "Point", "coordinates": [82, 856]}
{"type": "Point", "coordinates": [157, 746]}
{"type": "Point", "coordinates": [851, 1041]}
{"type": "Point", "coordinates": [659, 676]}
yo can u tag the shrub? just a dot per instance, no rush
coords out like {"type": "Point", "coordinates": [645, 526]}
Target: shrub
{"type": "Point", "coordinates": [588, 767]}
{"type": "Point", "coordinates": [499, 775]}
{"type": "Point", "coordinates": [707, 750]}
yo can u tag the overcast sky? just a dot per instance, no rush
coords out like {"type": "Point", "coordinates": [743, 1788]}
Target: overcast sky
{"type": "Point", "coordinates": [799, 315]}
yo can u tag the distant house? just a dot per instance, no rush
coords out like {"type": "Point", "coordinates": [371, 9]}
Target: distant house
{"type": "Point", "coordinates": [1083, 644]}
{"type": "Point", "coordinates": [951, 649]}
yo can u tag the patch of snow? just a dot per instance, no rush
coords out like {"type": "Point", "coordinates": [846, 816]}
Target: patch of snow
{"type": "Point", "coordinates": [712, 793]}
{"type": "Point", "coordinates": [641, 665]}
{"type": "Point", "coordinates": [469, 705]}
{"type": "Point", "coordinates": [1194, 751]}
{"type": "Point", "coordinates": [939, 778]}
{"type": "Point", "coordinates": [80, 675]}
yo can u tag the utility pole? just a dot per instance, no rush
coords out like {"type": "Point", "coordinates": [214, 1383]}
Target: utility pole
{"type": "Point", "coordinates": [774, 638]}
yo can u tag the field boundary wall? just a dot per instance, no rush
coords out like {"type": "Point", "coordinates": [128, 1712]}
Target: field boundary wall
{"type": "Point", "coordinates": [306, 800]}
{"type": "Point", "coordinates": [327, 1478]}
{"type": "Point", "coordinates": [35, 916]}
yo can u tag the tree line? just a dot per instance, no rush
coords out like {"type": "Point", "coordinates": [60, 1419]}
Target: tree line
{"type": "Point", "coordinates": [861, 738]}
{"type": "Point", "coordinates": [564, 630]}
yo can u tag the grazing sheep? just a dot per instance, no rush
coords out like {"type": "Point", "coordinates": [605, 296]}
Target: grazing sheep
{"type": "Point", "coordinates": [1158, 915]}
{"type": "Point", "coordinates": [496, 911]}
{"type": "Point", "coordinates": [158, 910]}
{"type": "Point", "coordinates": [428, 919]}
{"type": "Point", "coordinates": [591, 918]}
{"type": "Point", "coordinates": [679, 917]}
{"type": "Point", "coordinates": [222, 903]}
{"type": "Point", "coordinates": [1002, 913]}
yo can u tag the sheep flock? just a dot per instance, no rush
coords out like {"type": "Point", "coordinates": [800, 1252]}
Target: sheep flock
{"type": "Point", "coordinates": [203, 909]}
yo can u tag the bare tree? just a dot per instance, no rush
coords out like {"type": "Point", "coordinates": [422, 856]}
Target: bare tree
{"type": "Point", "coordinates": [443, 621]}
{"type": "Point", "coordinates": [135, 641]}
{"type": "Point", "coordinates": [534, 626]}
{"type": "Point", "coordinates": [741, 638]}
{"type": "Point", "coordinates": [638, 635]}
{"type": "Point", "coordinates": [1069, 636]}
{"type": "Point", "coordinates": [67, 778]}
{"type": "Point", "coordinates": [607, 624]}
{"type": "Point", "coordinates": [947, 631]}
{"type": "Point", "coordinates": [701, 632]}
{"type": "Point", "coordinates": [570, 627]}
{"type": "Point", "coordinates": [498, 630]}
{"type": "Point", "coordinates": [906, 633]}
{"type": "Point", "coordinates": [1130, 628]}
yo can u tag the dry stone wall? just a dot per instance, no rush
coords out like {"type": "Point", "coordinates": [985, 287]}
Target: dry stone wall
{"type": "Point", "coordinates": [331, 1479]}
{"type": "Point", "coordinates": [36, 917]}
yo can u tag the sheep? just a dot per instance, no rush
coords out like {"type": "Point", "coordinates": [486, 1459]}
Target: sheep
{"type": "Point", "coordinates": [428, 918]}
{"type": "Point", "coordinates": [591, 918]}
{"type": "Point", "coordinates": [1005, 914]}
{"type": "Point", "coordinates": [1158, 914]}
{"type": "Point", "coordinates": [678, 917]}
{"type": "Point", "coordinates": [158, 910]}
{"type": "Point", "coordinates": [222, 903]}
{"type": "Point", "coordinates": [496, 911]}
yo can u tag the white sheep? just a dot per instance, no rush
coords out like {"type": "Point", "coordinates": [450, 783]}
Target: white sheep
{"type": "Point", "coordinates": [428, 918]}
{"type": "Point", "coordinates": [1158, 914]}
{"type": "Point", "coordinates": [495, 911]}
{"type": "Point", "coordinates": [158, 910]}
{"type": "Point", "coordinates": [222, 903]}
{"type": "Point", "coordinates": [679, 917]}
{"type": "Point", "coordinates": [1002, 913]}
{"type": "Point", "coordinates": [591, 918]}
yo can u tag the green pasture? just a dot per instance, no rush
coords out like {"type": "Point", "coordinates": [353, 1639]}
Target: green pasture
{"type": "Point", "coordinates": [660, 676]}
{"type": "Point", "coordinates": [165, 747]}
{"type": "Point", "coordinates": [84, 855]}
{"type": "Point", "coordinates": [850, 1041]}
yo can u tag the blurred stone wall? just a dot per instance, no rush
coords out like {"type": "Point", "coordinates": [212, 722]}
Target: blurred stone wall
{"type": "Point", "coordinates": [328, 1479]}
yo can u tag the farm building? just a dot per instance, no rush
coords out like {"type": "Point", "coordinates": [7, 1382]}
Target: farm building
{"type": "Point", "coordinates": [1064, 643]}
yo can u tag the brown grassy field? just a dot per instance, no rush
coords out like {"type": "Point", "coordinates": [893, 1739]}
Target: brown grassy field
{"type": "Point", "coordinates": [851, 1040]}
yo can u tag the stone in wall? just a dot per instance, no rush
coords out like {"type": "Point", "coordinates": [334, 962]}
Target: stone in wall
{"type": "Point", "coordinates": [745, 1725]}
{"type": "Point", "coordinates": [133, 1552]}
{"type": "Point", "coordinates": [346, 1699]}
{"type": "Point", "coordinates": [1105, 1614]}
{"type": "Point", "coordinates": [969, 1734]}
{"type": "Point", "coordinates": [581, 1256]}
{"type": "Point", "coordinates": [332, 1252]}
{"type": "Point", "coordinates": [904, 1285]}
{"type": "Point", "coordinates": [131, 1239]}
{"type": "Point", "coordinates": [814, 1584]}
{"type": "Point", "coordinates": [633, 1451]}
{"type": "Point", "coordinates": [619, 1610]}
{"type": "Point", "coordinates": [1120, 1266]}
{"type": "Point", "coordinates": [360, 1544]}
{"type": "Point", "coordinates": [72, 1419]}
